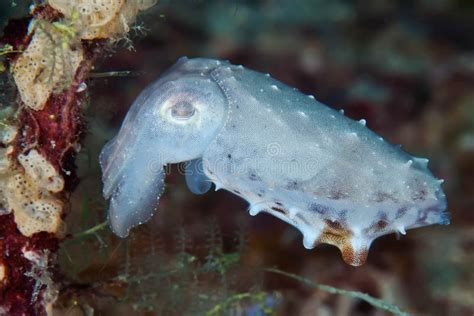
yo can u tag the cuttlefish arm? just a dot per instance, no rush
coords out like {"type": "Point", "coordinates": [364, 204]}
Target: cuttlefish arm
{"type": "Point", "coordinates": [196, 180]}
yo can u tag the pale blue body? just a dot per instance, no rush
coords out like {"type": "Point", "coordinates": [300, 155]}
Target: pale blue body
{"type": "Point", "coordinates": [281, 150]}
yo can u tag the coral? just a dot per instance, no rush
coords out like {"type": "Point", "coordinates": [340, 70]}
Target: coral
{"type": "Point", "coordinates": [34, 210]}
{"type": "Point", "coordinates": [41, 171]}
{"type": "Point", "coordinates": [101, 18]}
{"type": "Point", "coordinates": [49, 54]}
{"type": "Point", "coordinates": [48, 64]}
{"type": "Point", "coordinates": [27, 189]}
{"type": "Point", "coordinates": [7, 135]}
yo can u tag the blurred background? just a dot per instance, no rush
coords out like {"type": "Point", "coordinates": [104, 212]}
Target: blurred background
{"type": "Point", "coordinates": [407, 67]}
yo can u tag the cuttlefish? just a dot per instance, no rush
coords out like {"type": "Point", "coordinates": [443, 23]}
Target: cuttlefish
{"type": "Point", "coordinates": [282, 151]}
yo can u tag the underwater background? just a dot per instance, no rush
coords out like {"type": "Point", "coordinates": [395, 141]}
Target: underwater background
{"type": "Point", "coordinates": [407, 67]}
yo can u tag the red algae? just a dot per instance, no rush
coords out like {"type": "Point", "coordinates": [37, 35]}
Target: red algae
{"type": "Point", "coordinates": [49, 127]}
{"type": "Point", "coordinates": [16, 290]}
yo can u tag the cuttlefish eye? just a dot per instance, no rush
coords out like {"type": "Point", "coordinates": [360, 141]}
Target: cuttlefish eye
{"type": "Point", "coordinates": [182, 110]}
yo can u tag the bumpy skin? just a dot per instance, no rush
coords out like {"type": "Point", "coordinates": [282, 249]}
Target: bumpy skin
{"type": "Point", "coordinates": [284, 152]}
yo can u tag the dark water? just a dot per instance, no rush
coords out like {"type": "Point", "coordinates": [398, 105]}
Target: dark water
{"type": "Point", "coordinates": [407, 67]}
